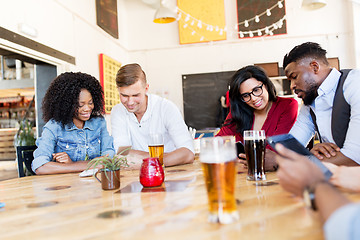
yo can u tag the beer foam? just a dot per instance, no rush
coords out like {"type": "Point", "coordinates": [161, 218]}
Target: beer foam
{"type": "Point", "coordinates": [256, 137]}
{"type": "Point", "coordinates": [156, 145]}
{"type": "Point", "coordinates": [211, 157]}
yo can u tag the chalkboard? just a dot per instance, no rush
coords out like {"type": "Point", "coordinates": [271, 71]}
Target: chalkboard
{"type": "Point", "coordinates": [201, 93]}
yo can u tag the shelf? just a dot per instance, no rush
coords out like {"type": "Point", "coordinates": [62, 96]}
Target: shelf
{"type": "Point", "coordinates": [15, 109]}
{"type": "Point", "coordinates": [7, 94]}
{"type": "Point", "coordinates": [14, 84]}
{"type": "Point", "coordinates": [7, 149]}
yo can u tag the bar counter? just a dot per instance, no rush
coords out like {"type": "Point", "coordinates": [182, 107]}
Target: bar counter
{"type": "Point", "coordinates": [65, 206]}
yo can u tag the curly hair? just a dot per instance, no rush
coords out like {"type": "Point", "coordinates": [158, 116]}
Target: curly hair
{"type": "Point", "coordinates": [307, 49]}
{"type": "Point", "coordinates": [242, 113]}
{"type": "Point", "coordinates": [61, 100]}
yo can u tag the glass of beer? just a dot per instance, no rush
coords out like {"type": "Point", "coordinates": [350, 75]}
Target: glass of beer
{"type": "Point", "coordinates": [255, 154]}
{"type": "Point", "coordinates": [156, 146]}
{"type": "Point", "coordinates": [218, 159]}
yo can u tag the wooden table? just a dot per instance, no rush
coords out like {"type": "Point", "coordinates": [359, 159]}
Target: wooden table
{"type": "Point", "coordinates": [66, 206]}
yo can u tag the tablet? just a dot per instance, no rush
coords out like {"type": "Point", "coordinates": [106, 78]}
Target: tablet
{"type": "Point", "coordinates": [290, 142]}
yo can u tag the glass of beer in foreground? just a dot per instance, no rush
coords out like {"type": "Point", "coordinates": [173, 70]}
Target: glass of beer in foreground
{"type": "Point", "coordinates": [218, 159]}
{"type": "Point", "coordinates": [255, 154]}
{"type": "Point", "coordinates": [156, 147]}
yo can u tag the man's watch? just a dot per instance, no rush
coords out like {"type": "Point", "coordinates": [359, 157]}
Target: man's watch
{"type": "Point", "coordinates": [309, 198]}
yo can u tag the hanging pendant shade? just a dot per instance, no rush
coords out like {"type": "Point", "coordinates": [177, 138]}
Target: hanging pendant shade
{"type": "Point", "coordinates": [313, 4]}
{"type": "Point", "coordinates": [164, 15]}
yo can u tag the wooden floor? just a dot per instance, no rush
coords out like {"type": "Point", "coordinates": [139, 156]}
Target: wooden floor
{"type": "Point", "coordinates": [8, 170]}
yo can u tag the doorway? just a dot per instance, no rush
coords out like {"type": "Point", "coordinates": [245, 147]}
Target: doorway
{"type": "Point", "coordinates": [23, 83]}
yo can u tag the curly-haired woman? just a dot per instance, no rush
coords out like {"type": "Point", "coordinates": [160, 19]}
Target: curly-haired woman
{"type": "Point", "coordinates": [75, 130]}
{"type": "Point", "coordinates": [254, 105]}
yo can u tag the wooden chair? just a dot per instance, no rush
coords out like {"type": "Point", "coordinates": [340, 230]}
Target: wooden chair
{"type": "Point", "coordinates": [25, 157]}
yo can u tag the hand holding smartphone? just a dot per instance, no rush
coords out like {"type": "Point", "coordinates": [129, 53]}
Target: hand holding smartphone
{"type": "Point", "coordinates": [291, 143]}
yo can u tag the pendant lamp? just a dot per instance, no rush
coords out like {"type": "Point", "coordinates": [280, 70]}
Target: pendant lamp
{"type": "Point", "coordinates": [164, 15]}
{"type": "Point", "coordinates": [313, 4]}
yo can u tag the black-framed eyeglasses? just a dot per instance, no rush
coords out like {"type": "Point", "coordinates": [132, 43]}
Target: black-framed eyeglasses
{"type": "Point", "coordinates": [257, 91]}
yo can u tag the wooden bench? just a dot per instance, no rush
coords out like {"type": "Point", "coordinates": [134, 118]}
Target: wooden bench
{"type": "Point", "coordinates": [7, 149]}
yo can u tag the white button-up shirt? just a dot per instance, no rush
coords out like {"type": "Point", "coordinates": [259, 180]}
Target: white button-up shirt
{"type": "Point", "coordinates": [161, 116]}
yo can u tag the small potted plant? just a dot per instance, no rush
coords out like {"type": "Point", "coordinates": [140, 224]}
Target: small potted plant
{"type": "Point", "coordinates": [24, 142]}
{"type": "Point", "coordinates": [25, 135]}
{"type": "Point", "coordinates": [110, 171]}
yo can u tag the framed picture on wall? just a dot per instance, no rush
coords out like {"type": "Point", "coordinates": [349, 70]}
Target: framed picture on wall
{"type": "Point", "coordinates": [201, 21]}
{"type": "Point", "coordinates": [108, 70]}
{"type": "Point", "coordinates": [106, 16]}
{"type": "Point", "coordinates": [258, 18]}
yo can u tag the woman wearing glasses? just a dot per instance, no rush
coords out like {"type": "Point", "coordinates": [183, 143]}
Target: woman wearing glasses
{"type": "Point", "coordinates": [254, 105]}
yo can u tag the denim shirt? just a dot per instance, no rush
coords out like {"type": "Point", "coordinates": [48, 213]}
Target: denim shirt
{"type": "Point", "coordinates": [93, 140]}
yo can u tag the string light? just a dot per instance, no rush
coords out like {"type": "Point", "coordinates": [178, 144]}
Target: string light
{"type": "Point", "coordinates": [267, 12]}
{"type": "Point", "coordinates": [178, 16]}
{"type": "Point", "coordinates": [268, 30]}
{"type": "Point", "coordinates": [246, 23]}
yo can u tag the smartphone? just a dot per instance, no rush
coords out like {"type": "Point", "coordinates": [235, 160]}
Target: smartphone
{"type": "Point", "coordinates": [239, 148]}
{"type": "Point", "coordinates": [290, 142]}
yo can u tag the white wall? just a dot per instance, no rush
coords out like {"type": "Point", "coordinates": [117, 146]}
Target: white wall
{"type": "Point", "coordinates": [156, 47]}
{"type": "Point", "coordinates": [70, 26]}
{"type": "Point", "coordinates": [67, 26]}
{"type": "Point", "coordinates": [356, 25]}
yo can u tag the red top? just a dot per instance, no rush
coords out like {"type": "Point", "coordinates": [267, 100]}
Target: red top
{"type": "Point", "coordinates": [280, 119]}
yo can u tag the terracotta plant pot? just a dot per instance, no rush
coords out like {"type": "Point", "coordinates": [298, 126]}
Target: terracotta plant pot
{"type": "Point", "coordinates": [110, 180]}
{"type": "Point", "coordinates": [151, 172]}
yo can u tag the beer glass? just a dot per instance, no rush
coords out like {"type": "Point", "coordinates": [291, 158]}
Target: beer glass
{"type": "Point", "coordinates": [156, 146]}
{"type": "Point", "coordinates": [255, 154]}
{"type": "Point", "coordinates": [218, 159]}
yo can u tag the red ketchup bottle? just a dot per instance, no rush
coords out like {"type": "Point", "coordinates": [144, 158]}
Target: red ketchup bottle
{"type": "Point", "coordinates": [151, 172]}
